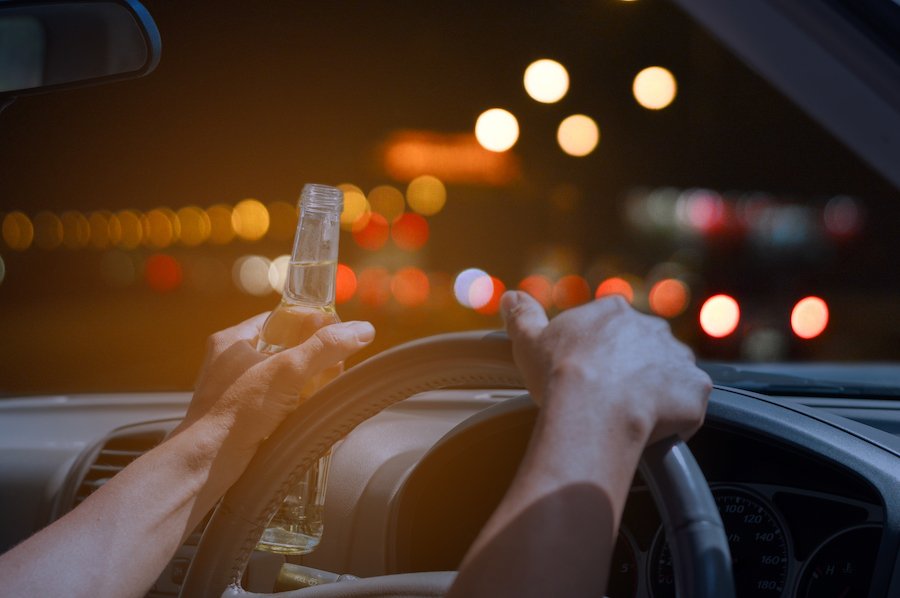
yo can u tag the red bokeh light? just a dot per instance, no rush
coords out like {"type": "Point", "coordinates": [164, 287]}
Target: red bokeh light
{"type": "Point", "coordinates": [493, 304]}
{"type": "Point", "coordinates": [163, 273]}
{"type": "Point", "coordinates": [374, 234]}
{"type": "Point", "coordinates": [345, 284]}
{"type": "Point", "coordinates": [374, 286]}
{"type": "Point", "coordinates": [571, 290]}
{"type": "Point", "coordinates": [538, 287]}
{"type": "Point", "coordinates": [410, 287]}
{"type": "Point", "coordinates": [615, 286]}
{"type": "Point", "coordinates": [668, 297]}
{"type": "Point", "coordinates": [409, 231]}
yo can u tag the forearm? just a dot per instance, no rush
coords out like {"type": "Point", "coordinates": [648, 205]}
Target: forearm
{"type": "Point", "coordinates": [119, 539]}
{"type": "Point", "coordinates": [561, 514]}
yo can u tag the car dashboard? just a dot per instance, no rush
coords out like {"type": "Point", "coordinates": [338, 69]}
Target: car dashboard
{"type": "Point", "coordinates": [806, 514]}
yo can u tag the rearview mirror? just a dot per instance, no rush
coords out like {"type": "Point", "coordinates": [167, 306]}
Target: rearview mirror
{"type": "Point", "coordinates": [47, 45]}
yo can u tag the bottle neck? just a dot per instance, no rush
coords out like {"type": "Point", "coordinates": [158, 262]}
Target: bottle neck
{"type": "Point", "coordinates": [311, 273]}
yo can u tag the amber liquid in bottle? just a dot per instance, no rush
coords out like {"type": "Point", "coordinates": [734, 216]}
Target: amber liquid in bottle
{"type": "Point", "coordinates": [307, 305]}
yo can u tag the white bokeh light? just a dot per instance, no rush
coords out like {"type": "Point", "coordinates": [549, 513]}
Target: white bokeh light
{"type": "Point", "coordinates": [497, 130]}
{"type": "Point", "coordinates": [546, 81]}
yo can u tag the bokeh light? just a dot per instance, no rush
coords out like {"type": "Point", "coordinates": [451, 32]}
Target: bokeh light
{"type": "Point", "coordinates": [18, 231]}
{"type": "Point", "coordinates": [163, 273]}
{"type": "Point", "coordinates": [278, 272]}
{"type": "Point", "coordinates": [578, 135]}
{"type": "Point", "coordinates": [669, 297]}
{"type": "Point", "coordinates": [497, 130]}
{"type": "Point", "coordinates": [356, 212]}
{"type": "Point", "coordinates": [251, 275]}
{"type": "Point", "coordinates": [546, 81]}
{"type": "Point", "coordinates": [2, 269]}
{"type": "Point", "coordinates": [118, 268]}
{"type": "Point", "coordinates": [615, 286]}
{"type": "Point", "coordinates": [809, 318]}
{"type": "Point", "coordinates": [571, 290]}
{"type": "Point", "coordinates": [345, 284]}
{"type": "Point", "coordinates": [48, 230]}
{"type": "Point", "coordinates": [654, 88]}
{"type": "Point", "coordinates": [206, 274]}
{"type": "Point", "coordinates": [221, 230]}
{"type": "Point", "coordinates": [131, 229]}
{"type": "Point", "coordinates": [100, 224]}
{"type": "Point", "coordinates": [410, 287]}
{"type": "Point", "coordinates": [843, 216]}
{"type": "Point", "coordinates": [426, 195]}
{"type": "Point", "coordinates": [539, 287]}
{"type": "Point", "coordinates": [374, 235]}
{"type": "Point", "coordinates": [76, 230]}
{"type": "Point", "coordinates": [194, 226]}
{"type": "Point", "coordinates": [493, 304]}
{"type": "Point", "coordinates": [282, 220]}
{"type": "Point", "coordinates": [387, 201]}
{"type": "Point", "coordinates": [720, 316]}
{"type": "Point", "coordinates": [374, 286]}
{"type": "Point", "coordinates": [161, 227]}
{"type": "Point", "coordinates": [465, 288]}
{"type": "Point", "coordinates": [250, 220]}
{"type": "Point", "coordinates": [410, 231]}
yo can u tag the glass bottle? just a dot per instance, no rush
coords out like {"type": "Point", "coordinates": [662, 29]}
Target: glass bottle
{"type": "Point", "coordinates": [307, 304]}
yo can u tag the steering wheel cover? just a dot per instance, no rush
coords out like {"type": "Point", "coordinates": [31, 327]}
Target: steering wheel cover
{"type": "Point", "coordinates": [475, 359]}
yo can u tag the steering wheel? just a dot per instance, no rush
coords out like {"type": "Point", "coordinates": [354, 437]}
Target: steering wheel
{"type": "Point", "coordinates": [701, 559]}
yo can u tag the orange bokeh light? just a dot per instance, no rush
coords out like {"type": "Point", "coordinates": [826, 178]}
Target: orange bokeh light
{"type": "Point", "coordinates": [345, 284]}
{"type": "Point", "coordinates": [163, 273]}
{"type": "Point", "coordinates": [374, 286]}
{"type": "Point", "coordinates": [571, 290]}
{"type": "Point", "coordinates": [409, 231]}
{"type": "Point", "coordinates": [493, 304]}
{"type": "Point", "coordinates": [809, 318]}
{"type": "Point", "coordinates": [538, 287]}
{"type": "Point", "coordinates": [720, 316]}
{"type": "Point", "coordinates": [410, 287]}
{"type": "Point", "coordinates": [669, 297]}
{"type": "Point", "coordinates": [615, 286]}
{"type": "Point", "coordinates": [374, 234]}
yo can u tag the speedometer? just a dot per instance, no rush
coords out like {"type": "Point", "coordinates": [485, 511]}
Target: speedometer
{"type": "Point", "coordinates": [756, 537]}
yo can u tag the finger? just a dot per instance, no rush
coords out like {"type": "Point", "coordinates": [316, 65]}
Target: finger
{"type": "Point", "coordinates": [327, 347]}
{"type": "Point", "coordinates": [525, 318]}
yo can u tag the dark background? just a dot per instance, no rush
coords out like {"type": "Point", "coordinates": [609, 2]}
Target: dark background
{"type": "Point", "coordinates": [256, 99]}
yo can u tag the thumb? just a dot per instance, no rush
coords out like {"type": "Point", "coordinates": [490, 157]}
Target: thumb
{"type": "Point", "coordinates": [524, 317]}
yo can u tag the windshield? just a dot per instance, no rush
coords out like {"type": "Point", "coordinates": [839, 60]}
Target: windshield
{"type": "Point", "coordinates": [139, 217]}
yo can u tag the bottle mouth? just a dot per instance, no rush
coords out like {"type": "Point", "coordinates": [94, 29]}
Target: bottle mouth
{"type": "Point", "coordinates": [322, 196]}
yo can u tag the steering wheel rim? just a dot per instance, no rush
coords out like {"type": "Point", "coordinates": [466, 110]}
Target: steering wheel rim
{"type": "Point", "coordinates": [481, 359]}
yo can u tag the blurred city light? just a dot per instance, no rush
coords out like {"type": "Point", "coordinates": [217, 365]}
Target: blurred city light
{"type": "Point", "coordinates": [250, 220]}
{"type": "Point", "coordinates": [578, 135]}
{"type": "Point", "coordinates": [374, 234]}
{"type": "Point", "coordinates": [654, 88]}
{"type": "Point", "coordinates": [809, 318]}
{"type": "Point", "coordinates": [282, 221]}
{"type": "Point", "coordinates": [493, 304]}
{"type": "Point", "coordinates": [374, 286]}
{"type": "Point", "coordinates": [194, 224]}
{"type": "Point", "coordinates": [539, 287]}
{"type": "Point", "coordinates": [701, 210]}
{"type": "Point", "coordinates": [345, 284]}
{"type": "Point", "coordinates": [570, 291]}
{"type": "Point", "coordinates": [546, 81]}
{"type": "Point", "coordinates": [356, 212]}
{"type": "Point", "coordinates": [452, 158]}
{"type": "Point", "coordinates": [426, 195]}
{"type": "Point", "coordinates": [843, 216]}
{"type": "Point", "coordinates": [162, 272]}
{"type": "Point", "coordinates": [130, 229]}
{"type": "Point", "coordinates": [410, 287]}
{"type": "Point", "coordinates": [410, 231]}
{"type": "Point", "coordinates": [118, 268]}
{"type": "Point", "coordinates": [76, 230]}
{"type": "Point", "coordinates": [48, 230]}
{"type": "Point", "coordinates": [100, 224]}
{"type": "Point", "coordinates": [465, 289]}
{"type": "Point", "coordinates": [720, 316]}
{"type": "Point", "coordinates": [18, 231]}
{"type": "Point", "coordinates": [161, 227]}
{"type": "Point", "coordinates": [2, 269]}
{"type": "Point", "coordinates": [251, 275]}
{"type": "Point", "coordinates": [277, 273]}
{"type": "Point", "coordinates": [387, 201]}
{"type": "Point", "coordinates": [615, 286]}
{"type": "Point", "coordinates": [669, 297]}
{"type": "Point", "coordinates": [497, 130]}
